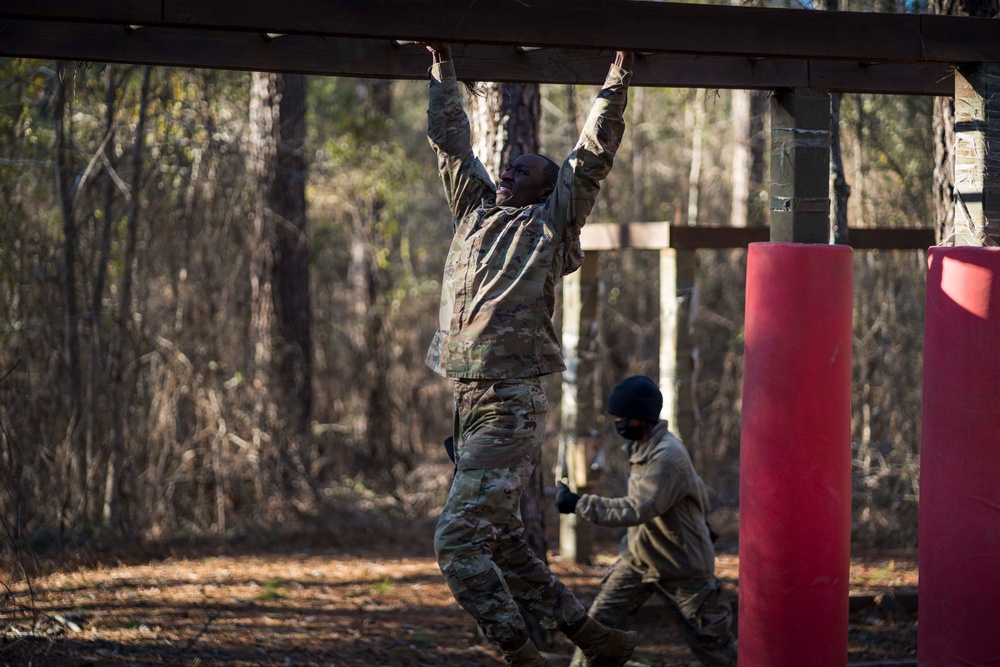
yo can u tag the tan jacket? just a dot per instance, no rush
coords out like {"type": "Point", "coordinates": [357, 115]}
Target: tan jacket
{"type": "Point", "coordinates": [499, 286]}
{"type": "Point", "coordinates": [664, 511]}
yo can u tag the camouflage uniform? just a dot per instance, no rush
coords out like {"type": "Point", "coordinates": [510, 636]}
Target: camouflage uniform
{"type": "Point", "coordinates": [668, 549]}
{"type": "Point", "coordinates": [495, 337]}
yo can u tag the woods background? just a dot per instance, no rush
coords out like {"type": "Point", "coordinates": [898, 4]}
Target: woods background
{"type": "Point", "coordinates": [217, 289]}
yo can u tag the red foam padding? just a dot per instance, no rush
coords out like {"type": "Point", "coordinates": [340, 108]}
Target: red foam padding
{"type": "Point", "coordinates": [795, 456]}
{"type": "Point", "coordinates": [959, 548]}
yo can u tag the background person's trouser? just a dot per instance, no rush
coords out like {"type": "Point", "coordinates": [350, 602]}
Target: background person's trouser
{"type": "Point", "coordinates": [479, 539]}
{"type": "Point", "coordinates": [700, 604]}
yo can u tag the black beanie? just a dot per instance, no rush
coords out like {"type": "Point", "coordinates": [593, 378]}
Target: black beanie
{"type": "Point", "coordinates": [637, 397]}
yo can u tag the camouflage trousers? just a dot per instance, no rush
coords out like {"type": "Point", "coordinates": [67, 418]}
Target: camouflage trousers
{"type": "Point", "coordinates": [479, 539]}
{"type": "Point", "coordinates": [700, 604]}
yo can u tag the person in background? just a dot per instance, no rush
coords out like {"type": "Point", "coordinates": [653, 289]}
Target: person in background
{"type": "Point", "coordinates": [513, 241]}
{"type": "Point", "coordinates": [667, 549]}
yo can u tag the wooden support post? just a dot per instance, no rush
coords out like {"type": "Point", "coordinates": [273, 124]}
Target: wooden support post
{"type": "Point", "coordinates": [678, 356]}
{"type": "Point", "coordinates": [579, 406]}
{"type": "Point", "coordinates": [800, 166]}
{"type": "Point", "coordinates": [977, 155]}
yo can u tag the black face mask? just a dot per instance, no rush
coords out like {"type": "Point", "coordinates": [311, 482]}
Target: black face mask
{"type": "Point", "coordinates": [628, 430]}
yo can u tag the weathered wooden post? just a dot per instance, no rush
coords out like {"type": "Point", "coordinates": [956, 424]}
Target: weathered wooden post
{"type": "Point", "coordinates": [977, 155]}
{"type": "Point", "coordinates": [677, 349]}
{"type": "Point", "coordinates": [800, 167]}
{"type": "Point", "coordinates": [579, 418]}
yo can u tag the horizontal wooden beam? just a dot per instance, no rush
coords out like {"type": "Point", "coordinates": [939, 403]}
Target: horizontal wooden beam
{"type": "Point", "coordinates": [638, 25]}
{"type": "Point", "coordinates": [660, 235]}
{"type": "Point", "coordinates": [381, 58]}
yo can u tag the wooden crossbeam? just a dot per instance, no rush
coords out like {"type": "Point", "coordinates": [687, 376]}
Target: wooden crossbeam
{"type": "Point", "coordinates": [381, 58]}
{"type": "Point", "coordinates": [660, 235]}
{"type": "Point", "coordinates": [639, 25]}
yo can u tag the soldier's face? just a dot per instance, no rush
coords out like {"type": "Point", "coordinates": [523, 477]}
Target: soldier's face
{"type": "Point", "coordinates": [522, 183]}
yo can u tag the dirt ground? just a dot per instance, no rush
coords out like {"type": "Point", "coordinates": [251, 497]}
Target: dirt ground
{"type": "Point", "coordinates": [348, 606]}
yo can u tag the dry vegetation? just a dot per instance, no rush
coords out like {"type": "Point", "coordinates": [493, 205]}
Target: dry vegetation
{"type": "Point", "coordinates": [150, 394]}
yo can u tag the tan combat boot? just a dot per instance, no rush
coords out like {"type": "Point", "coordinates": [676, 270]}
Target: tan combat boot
{"type": "Point", "coordinates": [604, 647]}
{"type": "Point", "coordinates": [526, 656]}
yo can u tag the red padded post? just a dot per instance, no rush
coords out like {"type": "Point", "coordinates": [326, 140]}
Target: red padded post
{"type": "Point", "coordinates": [795, 456]}
{"type": "Point", "coordinates": [959, 550]}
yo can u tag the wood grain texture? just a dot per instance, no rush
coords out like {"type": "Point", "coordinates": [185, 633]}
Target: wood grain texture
{"type": "Point", "coordinates": [380, 58]}
{"type": "Point", "coordinates": [639, 25]}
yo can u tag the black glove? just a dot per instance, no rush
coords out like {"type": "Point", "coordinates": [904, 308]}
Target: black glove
{"type": "Point", "coordinates": [449, 446]}
{"type": "Point", "coordinates": [566, 500]}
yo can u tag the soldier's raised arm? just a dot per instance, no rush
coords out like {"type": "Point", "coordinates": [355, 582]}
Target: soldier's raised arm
{"type": "Point", "coordinates": [466, 182]}
{"type": "Point", "coordinates": [590, 162]}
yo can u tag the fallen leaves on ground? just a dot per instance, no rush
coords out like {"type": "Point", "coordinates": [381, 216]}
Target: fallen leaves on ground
{"type": "Point", "coordinates": [331, 608]}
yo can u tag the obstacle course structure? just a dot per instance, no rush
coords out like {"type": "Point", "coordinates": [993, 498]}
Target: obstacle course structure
{"type": "Point", "coordinates": [796, 407]}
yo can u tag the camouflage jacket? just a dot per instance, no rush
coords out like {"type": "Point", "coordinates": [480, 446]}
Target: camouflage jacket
{"type": "Point", "coordinates": [498, 290]}
{"type": "Point", "coordinates": [664, 511]}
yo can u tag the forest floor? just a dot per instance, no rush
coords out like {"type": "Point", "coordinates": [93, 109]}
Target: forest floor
{"type": "Point", "coordinates": [355, 604]}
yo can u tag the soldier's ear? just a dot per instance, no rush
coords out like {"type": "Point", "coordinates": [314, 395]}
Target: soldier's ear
{"type": "Point", "coordinates": [545, 193]}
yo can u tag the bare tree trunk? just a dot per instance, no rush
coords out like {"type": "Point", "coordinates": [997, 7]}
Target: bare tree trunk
{"type": "Point", "coordinates": [279, 278]}
{"type": "Point", "coordinates": [97, 361]}
{"type": "Point", "coordinates": [759, 136]}
{"type": "Point", "coordinates": [116, 361]}
{"type": "Point", "coordinates": [750, 109]}
{"type": "Point", "coordinates": [859, 142]}
{"type": "Point", "coordinates": [637, 110]}
{"type": "Point", "coordinates": [944, 167]}
{"type": "Point", "coordinates": [290, 276]}
{"type": "Point", "coordinates": [740, 125]}
{"type": "Point", "coordinates": [372, 284]}
{"type": "Point", "coordinates": [696, 122]}
{"type": "Point", "coordinates": [505, 123]}
{"type": "Point", "coordinates": [841, 190]}
{"type": "Point", "coordinates": [76, 490]}
{"type": "Point", "coordinates": [261, 157]}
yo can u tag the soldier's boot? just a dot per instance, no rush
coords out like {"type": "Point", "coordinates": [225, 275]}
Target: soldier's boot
{"type": "Point", "coordinates": [602, 646]}
{"type": "Point", "coordinates": [525, 656]}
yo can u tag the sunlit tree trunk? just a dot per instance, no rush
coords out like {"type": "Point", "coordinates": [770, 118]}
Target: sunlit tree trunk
{"type": "Point", "coordinates": [505, 120]}
{"type": "Point", "coordinates": [120, 336]}
{"type": "Point", "coordinates": [372, 283]}
{"type": "Point", "coordinates": [76, 490]}
{"type": "Point", "coordinates": [740, 172]}
{"type": "Point", "coordinates": [695, 121]}
{"type": "Point", "coordinates": [95, 386]}
{"type": "Point", "coordinates": [281, 313]}
{"type": "Point", "coordinates": [944, 166]}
